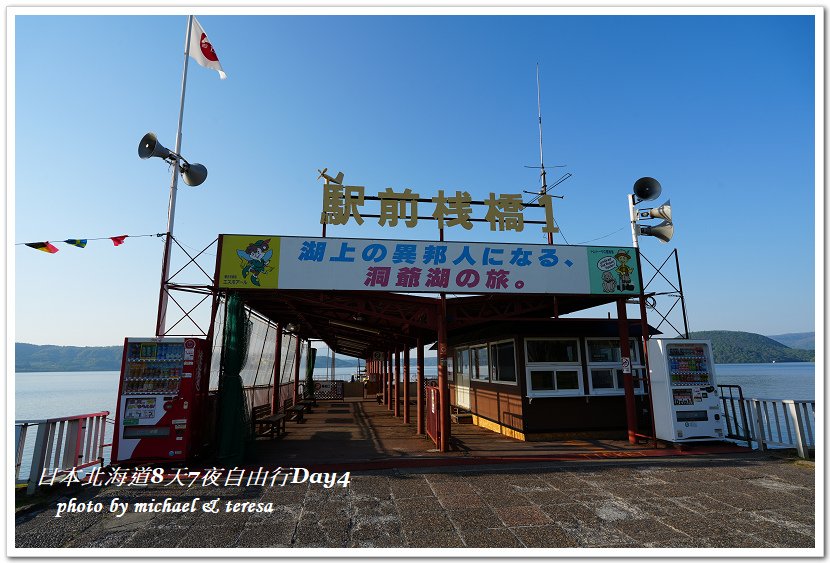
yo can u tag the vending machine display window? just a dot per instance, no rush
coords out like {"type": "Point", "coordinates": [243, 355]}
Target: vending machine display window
{"type": "Point", "coordinates": [161, 395]}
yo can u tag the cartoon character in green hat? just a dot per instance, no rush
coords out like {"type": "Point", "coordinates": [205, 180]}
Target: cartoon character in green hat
{"type": "Point", "coordinates": [624, 270]}
{"type": "Point", "coordinates": [256, 256]}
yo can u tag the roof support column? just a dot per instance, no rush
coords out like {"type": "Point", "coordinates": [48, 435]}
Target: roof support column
{"type": "Point", "coordinates": [628, 383]}
{"type": "Point", "coordinates": [397, 383]}
{"type": "Point", "coordinates": [647, 375]}
{"type": "Point", "coordinates": [443, 384]}
{"type": "Point", "coordinates": [297, 357]}
{"type": "Point", "coordinates": [419, 385]}
{"type": "Point", "coordinates": [275, 394]}
{"type": "Point", "coordinates": [381, 365]}
{"type": "Point", "coordinates": [389, 379]}
{"type": "Point", "coordinates": [406, 385]}
{"type": "Point", "coordinates": [644, 331]}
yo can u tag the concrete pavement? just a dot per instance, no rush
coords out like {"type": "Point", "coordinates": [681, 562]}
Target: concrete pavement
{"type": "Point", "coordinates": [735, 501]}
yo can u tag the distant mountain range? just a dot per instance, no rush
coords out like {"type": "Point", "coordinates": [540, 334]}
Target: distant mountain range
{"type": "Point", "coordinates": [798, 340]}
{"type": "Point", "coordinates": [730, 347]}
{"type": "Point", "coordinates": [32, 357]}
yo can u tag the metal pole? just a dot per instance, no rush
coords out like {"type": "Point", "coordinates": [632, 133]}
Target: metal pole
{"type": "Point", "coordinates": [628, 383]}
{"type": "Point", "coordinates": [381, 366]}
{"type": "Point", "coordinates": [397, 383]}
{"type": "Point", "coordinates": [443, 384]}
{"type": "Point", "coordinates": [275, 394]}
{"type": "Point", "coordinates": [682, 299]}
{"type": "Point", "coordinates": [406, 385]}
{"type": "Point", "coordinates": [161, 320]}
{"type": "Point", "coordinates": [644, 333]}
{"type": "Point", "coordinates": [543, 175]}
{"type": "Point", "coordinates": [298, 351]}
{"type": "Point", "coordinates": [632, 212]}
{"type": "Point", "coordinates": [391, 376]}
{"type": "Point", "coordinates": [419, 379]}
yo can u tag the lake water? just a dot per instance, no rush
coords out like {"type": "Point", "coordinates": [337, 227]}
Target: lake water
{"type": "Point", "coordinates": [54, 394]}
{"type": "Point", "coordinates": [785, 380]}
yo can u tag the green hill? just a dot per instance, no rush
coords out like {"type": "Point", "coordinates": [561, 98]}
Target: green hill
{"type": "Point", "coordinates": [31, 357]}
{"type": "Point", "coordinates": [732, 347]}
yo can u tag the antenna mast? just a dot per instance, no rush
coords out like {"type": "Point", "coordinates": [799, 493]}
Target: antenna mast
{"type": "Point", "coordinates": [543, 175]}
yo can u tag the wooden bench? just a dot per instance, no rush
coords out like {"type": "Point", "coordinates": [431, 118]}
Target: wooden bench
{"type": "Point", "coordinates": [295, 412]}
{"type": "Point", "coordinates": [275, 423]}
{"type": "Point", "coordinates": [307, 403]}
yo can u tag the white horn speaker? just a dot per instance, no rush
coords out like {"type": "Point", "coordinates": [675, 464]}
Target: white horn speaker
{"type": "Point", "coordinates": [663, 232]}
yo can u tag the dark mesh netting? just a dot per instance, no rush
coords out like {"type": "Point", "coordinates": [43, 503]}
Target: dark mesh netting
{"type": "Point", "coordinates": [234, 434]}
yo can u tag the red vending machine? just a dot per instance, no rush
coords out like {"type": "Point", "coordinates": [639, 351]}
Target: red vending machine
{"type": "Point", "coordinates": [161, 398]}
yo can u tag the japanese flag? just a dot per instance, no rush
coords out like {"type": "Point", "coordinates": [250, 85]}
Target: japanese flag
{"type": "Point", "coordinates": [202, 51]}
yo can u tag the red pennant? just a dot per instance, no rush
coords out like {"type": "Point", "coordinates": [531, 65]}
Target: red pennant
{"type": "Point", "coordinates": [118, 240]}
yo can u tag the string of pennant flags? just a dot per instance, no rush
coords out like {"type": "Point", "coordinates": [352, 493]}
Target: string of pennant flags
{"type": "Point", "coordinates": [199, 49]}
{"type": "Point", "coordinates": [47, 246]}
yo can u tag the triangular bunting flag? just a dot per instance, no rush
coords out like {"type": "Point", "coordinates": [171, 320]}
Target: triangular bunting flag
{"type": "Point", "coordinates": [118, 240]}
{"type": "Point", "coordinates": [80, 243]}
{"type": "Point", "coordinates": [44, 246]}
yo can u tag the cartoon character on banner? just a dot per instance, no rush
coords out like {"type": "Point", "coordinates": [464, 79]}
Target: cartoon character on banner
{"type": "Point", "coordinates": [256, 258]}
{"type": "Point", "coordinates": [624, 270]}
{"type": "Point", "coordinates": [609, 284]}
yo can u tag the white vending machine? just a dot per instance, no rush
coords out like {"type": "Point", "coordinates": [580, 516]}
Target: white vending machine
{"type": "Point", "coordinates": [684, 390]}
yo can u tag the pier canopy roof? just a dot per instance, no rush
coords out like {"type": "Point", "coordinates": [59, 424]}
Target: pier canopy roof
{"type": "Point", "coordinates": [361, 296]}
{"type": "Point", "coordinates": [357, 323]}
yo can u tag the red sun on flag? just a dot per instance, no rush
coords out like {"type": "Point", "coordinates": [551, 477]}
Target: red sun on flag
{"type": "Point", "coordinates": [207, 48]}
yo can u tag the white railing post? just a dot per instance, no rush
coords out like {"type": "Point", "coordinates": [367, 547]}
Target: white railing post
{"type": "Point", "coordinates": [758, 421]}
{"type": "Point", "coordinates": [20, 431]}
{"type": "Point", "coordinates": [69, 458]}
{"type": "Point", "coordinates": [38, 458]}
{"type": "Point", "coordinates": [807, 406]}
{"type": "Point", "coordinates": [798, 426]}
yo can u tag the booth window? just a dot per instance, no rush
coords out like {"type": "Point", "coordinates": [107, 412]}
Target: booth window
{"type": "Point", "coordinates": [553, 367]}
{"type": "Point", "coordinates": [604, 359]}
{"type": "Point", "coordinates": [479, 363]}
{"type": "Point", "coordinates": [461, 363]}
{"type": "Point", "coordinates": [503, 362]}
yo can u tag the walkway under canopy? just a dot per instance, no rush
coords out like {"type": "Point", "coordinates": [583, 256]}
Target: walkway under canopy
{"type": "Point", "coordinates": [356, 433]}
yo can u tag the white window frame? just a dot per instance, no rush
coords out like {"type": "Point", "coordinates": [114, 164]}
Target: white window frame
{"type": "Point", "coordinates": [474, 370]}
{"type": "Point", "coordinates": [493, 370]}
{"type": "Point", "coordinates": [555, 367]}
{"type": "Point", "coordinates": [637, 368]}
{"type": "Point", "coordinates": [454, 371]}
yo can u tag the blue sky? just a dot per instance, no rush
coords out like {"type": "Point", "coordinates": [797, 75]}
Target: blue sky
{"type": "Point", "coordinates": [720, 109]}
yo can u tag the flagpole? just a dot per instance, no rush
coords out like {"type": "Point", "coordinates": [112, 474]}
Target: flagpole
{"type": "Point", "coordinates": [171, 207]}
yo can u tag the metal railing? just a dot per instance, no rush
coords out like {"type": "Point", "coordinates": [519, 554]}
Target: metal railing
{"type": "Point", "coordinates": [61, 444]}
{"type": "Point", "coordinates": [325, 389]}
{"type": "Point", "coordinates": [769, 423]}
